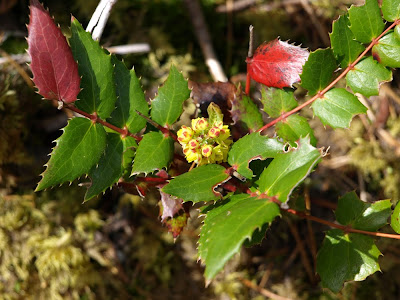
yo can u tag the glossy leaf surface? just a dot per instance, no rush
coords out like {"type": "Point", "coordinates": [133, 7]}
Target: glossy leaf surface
{"type": "Point", "coordinates": [337, 107]}
{"type": "Point", "coordinates": [395, 219]}
{"type": "Point", "coordinates": [387, 51]}
{"type": "Point", "coordinates": [277, 64]}
{"type": "Point", "coordinates": [130, 98]}
{"type": "Point", "coordinates": [391, 10]}
{"type": "Point", "coordinates": [55, 72]}
{"type": "Point", "coordinates": [78, 149]}
{"type": "Point", "coordinates": [345, 257]}
{"type": "Point", "coordinates": [287, 170]}
{"type": "Point", "coordinates": [95, 67]}
{"type": "Point", "coordinates": [277, 101]}
{"type": "Point", "coordinates": [167, 105]}
{"type": "Point", "coordinates": [155, 152]}
{"type": "Point", "coordinates": [366, 21]}
{"type": "Point", "coordinates": [293, 128]}
{"type": "Point", "coordinates": [251, 147]}
{"type": "Point", "coordinates": [344, 46]}
{"type": "Point", "coordinates": [198, 184]}
{"type": "Point", "coordinates": [351, 211]}
{"type": "Point", "coordinates": [366, 77]}
{"type": "Point", "coordinates": [228, 225]}
{"type": "Point", "coordinates": [318, 70]}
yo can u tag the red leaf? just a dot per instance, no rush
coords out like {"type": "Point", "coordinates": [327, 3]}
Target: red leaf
{"type": "Point", "coordinates": [277, 64]}
{"type": "Point", "coordinates": [54, 69]}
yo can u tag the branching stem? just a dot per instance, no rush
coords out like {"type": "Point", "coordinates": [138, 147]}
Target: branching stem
{"type": "Point", "coordinates": [123, 132]}
{"type": "Point", "coordinates": [320, 94]}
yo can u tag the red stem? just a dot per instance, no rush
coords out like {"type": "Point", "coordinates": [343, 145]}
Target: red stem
{"type": "Point", "coordinates": [248, 82]}
{"type": "Point", "coordinates": [320, 94]}
{"type": "Point", "coordinates": [346, 229]}
{"type": "Point", "coordinates": [94, 118]}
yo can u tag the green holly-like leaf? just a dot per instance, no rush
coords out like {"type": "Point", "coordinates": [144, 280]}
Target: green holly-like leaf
{"type": "Point", "coordinates": [293, 128]}
{"type": "Point", "coordinates": [155, 152]}
{"type": "Point", "coordinates": [228, 225]}
{"type": "Point", "coordinates": [98, 89]}
{"type": "Point", "coordinates": [277, 101]}
{"type": "Point", "coordinates": [167, 105]}
{"type": "Point", "coordinates": [130, 147]}
{"type": "Point", "coordinates": [397, 32]}
{"type": "Point", "coordinates": [351, 211]}
{"type": "Point", "coordinates": [395, 220]}
{"type": "Point", "coordinates": [337, 107]}
{"type": "Point", "coordinates": [345, 257]}
{"type": "Point", "coordinates": [387, 51]}
{"type": "Point", "coordinates": [198, 184]}
{"type": "Point", "coordinates": [77, 150]}
{"type": "Point", "coordinates": [246, 113]}
{"type": "Point", "coordinates": [130, 99]}
{"type": "Point", "coordinates": [366, 21]}
{"type": "Point", "coordinates": [287, 170]}
{"type": "Point", "coordinates": [110, 167]}
{"type": "Point", "coordinates": [366, 76]}
{"type": "Point", "coordinates": [344, 47]}
{"type": "Point", "coordinates": [250, 147]}
{"type": "Point", "coordinates": [391, 10]}
{"type": "Point", "coordinates": [318, 70]}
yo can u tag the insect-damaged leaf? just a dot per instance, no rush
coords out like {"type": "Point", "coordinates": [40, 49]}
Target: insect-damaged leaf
{"type": "Point", "coordinates": [250, 147]}
{"type": "Point", "coordinates": [277, 64]}
{"type": "Point", "coordinates": [54, 69]}
{"type": "Point", "coordinates": [227, 225]}
{"type": "Point", "coordinates": [288, 170]}
{"type": "Point", "coordinates": [198, 184]}
{"type": "Point", "coordinates": [77, 150]}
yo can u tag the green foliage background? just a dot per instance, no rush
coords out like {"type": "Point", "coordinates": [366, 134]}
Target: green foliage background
{"type": "Point", "coordinates": [54, 247]}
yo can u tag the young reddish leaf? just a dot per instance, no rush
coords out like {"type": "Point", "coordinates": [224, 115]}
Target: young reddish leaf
{"type": "Point", "coordinates": [277, 64]}
{"type": "Point", "coordinates": [170, 206]}
{"type": "Point", "coordinates": [54, 69]}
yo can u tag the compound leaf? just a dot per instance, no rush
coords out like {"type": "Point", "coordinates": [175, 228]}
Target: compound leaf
{"type": "Point", "coordinates": [251, 147]}
{"type": "Point", "coordinates": [198, 184]}
{"type": "Point", "coordinates": [318, 70]}
{"type": "Point", "coordinates": [276, 64]}
{"type": "Point", "coordinates": [387, 51]}
{"type": "Point", "coordinates": [77, 150]}
{"type": "Point", "coordinates": [277, 101]}
{"type": "Point", "coordinates": [337, 107]}
{"type": "Point", "coordinates": [167, 105]}
{"type": "Point", "coordinates": [287, 170]}
{"type": "Point", "coordinates": [345, 257]}
{"type": "Point", "coordinates": [155, 152]}
{"type": "Point", "coordinates": [391, 10]}
{"type": "Point", "coordinates": [228, 225]}
{"type": "Point", "coordinates": [130, 98]}
{"type": "Point", "coordinates": [293, 128]}
{"type": "Point", "coordinates": [55, 72]}
{"type": "Point", "coordinates": [246, 113]}
{"type": "Point", "coordinates": [366, 21]}
{"type": "Point", "coordinates": [110, 167]}
{"type": "Point", "coordinates": [395, 220]}
{"type": "Point", "coordinates": [366, 76]}
{"type": "Point", "coordinates": [98, 89]}
{"type": "Point", "coordinates": [351, 211]}
{"type": "Point", "coordinates": [344, 47]}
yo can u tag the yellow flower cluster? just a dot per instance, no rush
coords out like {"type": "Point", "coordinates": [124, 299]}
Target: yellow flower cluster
{"type": "Point", "coordinates": [205, 143]}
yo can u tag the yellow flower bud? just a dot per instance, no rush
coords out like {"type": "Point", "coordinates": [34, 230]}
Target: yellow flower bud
{"type": "Point", "coordinates": [200, 124]}
{"type": "Point", "coordinates": [214, 132]}
{"type": "Point", "coordinates": [193, 144]}
{"type": "Point", "coordinates": [206, 150]}
{"type": "Point", "coordinates": [185, 134]}
{"type": "Point", "coordinates": [193, 155]}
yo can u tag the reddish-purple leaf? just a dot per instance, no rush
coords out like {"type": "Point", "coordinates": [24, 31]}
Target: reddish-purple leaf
{"type": "Point", "coordinates": [54, 69]}
{"type": "Point", "coordinates": [277, 64]}
{"type": "Point", "coordinates": [170, 206]}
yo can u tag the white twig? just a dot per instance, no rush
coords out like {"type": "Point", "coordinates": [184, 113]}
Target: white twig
{"type": "Point", "coordinates": [130, 48]}
{"type": "Point", "coordinates": [99, 18]}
